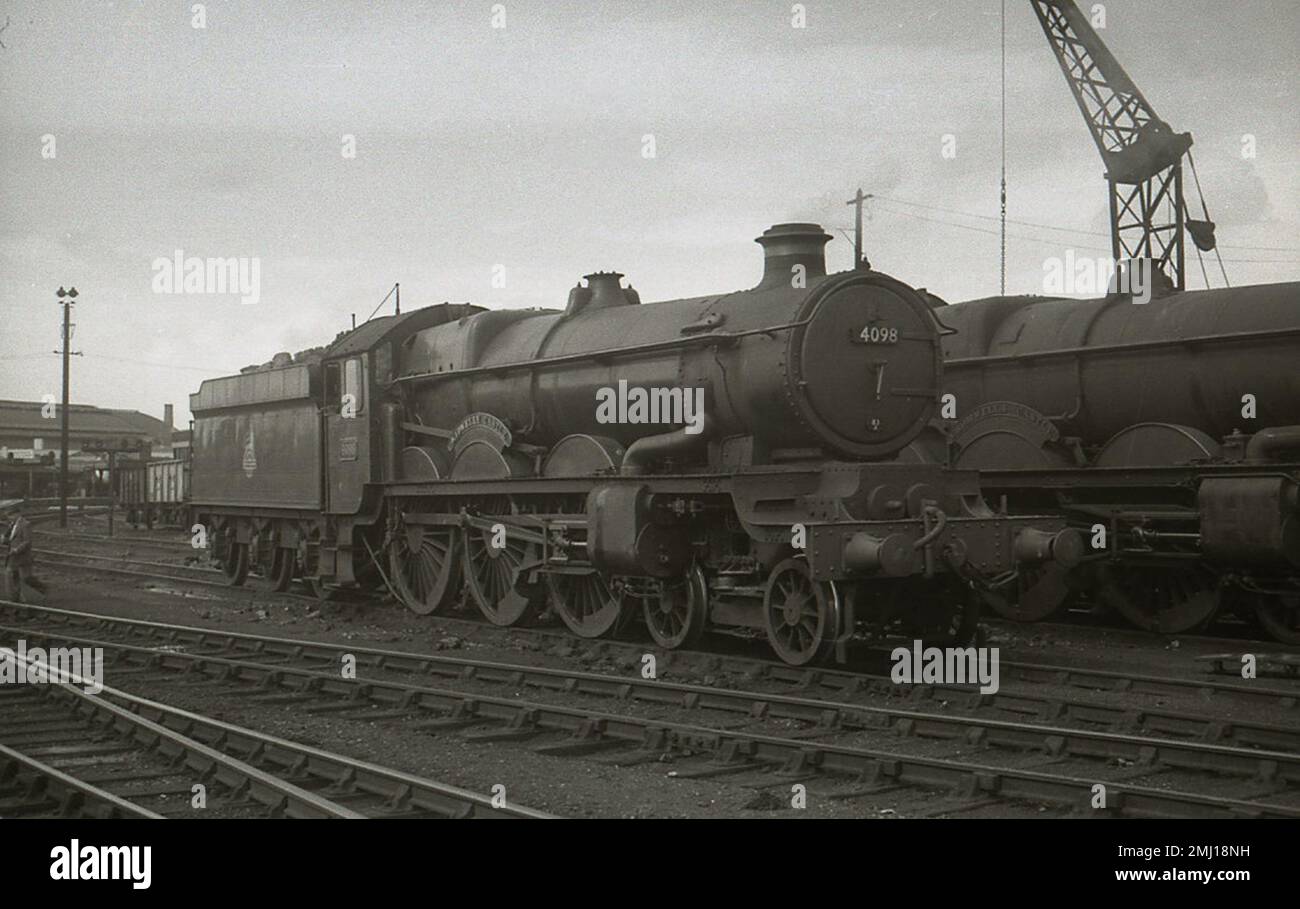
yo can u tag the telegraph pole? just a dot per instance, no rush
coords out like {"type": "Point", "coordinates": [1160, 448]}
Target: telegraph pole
{"type": "Point", "coordinates": [112, 478]}
{"type": "Point", "coordinates": [65, 300]}
{"type": "Point", "coordinates": [857, 201]}
{"type": "Point", "coordinates": [1002, 282]}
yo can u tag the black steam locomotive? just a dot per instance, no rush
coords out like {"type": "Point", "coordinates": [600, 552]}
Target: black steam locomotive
{"type": "Point", "coordinates": [732, 461]}
{"type": "Point", "coordinates": [1170, 424]}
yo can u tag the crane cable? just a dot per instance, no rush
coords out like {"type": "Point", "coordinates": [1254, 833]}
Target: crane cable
{"type": "Point", "coordinates": [1206, 212]}
{"type": "Point", "coordinates": [1205, 276]}
{"type": "Point", "coordinates": [1200, 258]}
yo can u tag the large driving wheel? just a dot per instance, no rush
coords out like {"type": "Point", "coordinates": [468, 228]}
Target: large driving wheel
{"type": "Point", "coordinates": [588, 604]}
{"type": "Point", "coordinates": [1164, 599]}
{"type": "Point", "coordinates": [1038, 593]}
{"type": "Point", "coordinates": [495, 575]}
{"type": "Point", "coordinates": [799, 613]}
{"type": "Point", "coordinates": [1279, 616]}
{"type": "Point", "coordinates": [676, 616]}
{"type": "Point", "coordinates": [424, 563]}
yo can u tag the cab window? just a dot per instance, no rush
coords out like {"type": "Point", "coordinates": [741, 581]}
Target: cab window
{"type": "Point", "coordinates": [333, 386]}
{"type": "Point", "coordinates": [352, 384]}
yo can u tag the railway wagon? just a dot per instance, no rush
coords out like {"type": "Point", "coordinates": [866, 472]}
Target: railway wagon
{"type": "Point", "coordinates": [702, 463]}
{"type": "Point", "coordinates": [1174, 424]}
{"type": "Point", "coordinates": [166, 498]}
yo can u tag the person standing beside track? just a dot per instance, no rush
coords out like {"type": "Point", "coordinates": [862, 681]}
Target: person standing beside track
{"type": "Point", "coordinates": [19, 561]}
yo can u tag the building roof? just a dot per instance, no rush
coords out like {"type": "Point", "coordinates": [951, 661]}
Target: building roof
{"type": "Point", "coordinates": [84, 421]}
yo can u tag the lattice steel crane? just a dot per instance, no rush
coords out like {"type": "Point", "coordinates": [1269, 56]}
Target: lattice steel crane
{"type": "Point", "coordinates": [1142, 153]}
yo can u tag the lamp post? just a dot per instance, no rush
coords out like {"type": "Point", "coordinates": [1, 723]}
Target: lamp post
{"type": "Point", "coordinates": [66, 298]}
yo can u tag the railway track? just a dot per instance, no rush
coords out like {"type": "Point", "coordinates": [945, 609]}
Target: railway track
{"type": "Point", "coordinates": [1234, 632]}
{"type": "Point", "coordinates": [121, 538]}
{"type": "Point", "coordinates": [33, 788]}
{"type": "Point", "coordinates": [41, 517]}
{"type": "Point", "coordinates": [159, 571]}
{"type": "Point", "coordinates": [289, 671]}
{"type": "Point", "coordinates": [1242, 638]}
{"type": "Point", "coordinates": [827, 682]}
{"type": "Point", "coordinates": [1027, 672]}
{"type": "Point", "coordinates": [62, 559]}
{"type": "Point", "coordinates": [81, 755]}
{"type": "Point", "coordinates": [194, 575]}
{"type": "Point", "coordinates": [68, 753]}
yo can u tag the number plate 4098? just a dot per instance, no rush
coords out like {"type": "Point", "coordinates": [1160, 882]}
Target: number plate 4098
{"type": "Point", "coordinates": [878, 334]}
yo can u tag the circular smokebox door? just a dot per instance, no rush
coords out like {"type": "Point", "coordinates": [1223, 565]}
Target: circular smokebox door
{"type": "Point", "coordinates": [869, 361]}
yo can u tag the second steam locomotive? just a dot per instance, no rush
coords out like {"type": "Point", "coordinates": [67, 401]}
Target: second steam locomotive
{"type": "Point", "coordinates": [1166, 429]}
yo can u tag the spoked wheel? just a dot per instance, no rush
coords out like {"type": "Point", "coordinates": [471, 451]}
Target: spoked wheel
{"type": "Point", "coordinates": [1038, 593]}
{"type": "Point", "coordinates": [942, 614]}
{"type": "Point", "coordinates": [1279, 616]}
{"type": "Point", "coordinates": [1168, 600]}
{"type": "Point", "coordinates": [799, 613]}
{"type": "Point", "coordinates": [282, 565]}
{"type": "Point", "coordinates": [588, 604]}
{"type": "Point", "coordinates": [677, 614]}
{"type": "Point", "coordinates": [424, 564]}
{"type": "Point", "coordinates": [234, 563]}
{"type": "Point", "coordinates": [494, 576]}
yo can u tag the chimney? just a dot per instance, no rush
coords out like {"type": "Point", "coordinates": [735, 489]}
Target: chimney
{"type": "Point", "coordinates": [603, 290]}
{"type": "Point", "coordinates": [788, 245]}
{"type": "Point", "coordinates": [168, 415]}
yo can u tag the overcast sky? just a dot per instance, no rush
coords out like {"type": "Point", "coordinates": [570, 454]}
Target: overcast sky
{"type": "Point", "coordinates": [522, 147]}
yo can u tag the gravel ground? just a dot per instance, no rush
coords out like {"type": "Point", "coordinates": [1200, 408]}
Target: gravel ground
{"type": "Point", "coordinates": [593, 786]}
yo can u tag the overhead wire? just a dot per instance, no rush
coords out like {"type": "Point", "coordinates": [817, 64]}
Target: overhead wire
{"type": "Point", "coordinates": [1032, 239]}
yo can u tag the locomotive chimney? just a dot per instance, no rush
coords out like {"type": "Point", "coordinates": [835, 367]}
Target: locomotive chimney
{"type": "Point", "coordinates": [788, 245]}
{"type": "Point", "coordinates": [603, 290]}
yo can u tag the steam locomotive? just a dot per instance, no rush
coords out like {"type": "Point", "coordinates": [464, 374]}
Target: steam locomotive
{"type": "Point", "coordinates": [730, 462]}
{"type": "Point", "coordinates": [1167, 430]}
